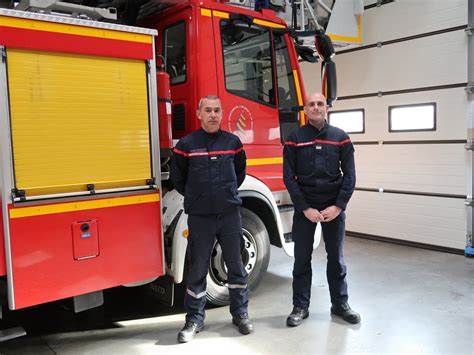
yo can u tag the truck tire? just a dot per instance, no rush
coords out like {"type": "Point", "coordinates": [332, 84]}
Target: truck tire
{"type": "Point", "coordinates": [256, 255]}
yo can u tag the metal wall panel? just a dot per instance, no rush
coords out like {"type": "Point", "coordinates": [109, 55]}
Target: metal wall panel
{"type": "Point", "coordinates": [451, 111]}
{"type": "Point", "coordinates": [428, 61]}
{"type": "Point", "coordinates": [429, 220]}
{"type": "Point", "coordinates": [427, 168]}
{"type": "Point", "coordinates": [396, 19]}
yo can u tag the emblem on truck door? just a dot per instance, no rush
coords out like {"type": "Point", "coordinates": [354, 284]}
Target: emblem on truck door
{"type": "Point", "coordinates": [240, 122]}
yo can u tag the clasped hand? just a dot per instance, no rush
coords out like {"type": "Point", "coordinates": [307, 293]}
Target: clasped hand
{"type": "Point", "coordinates": [326, 215]}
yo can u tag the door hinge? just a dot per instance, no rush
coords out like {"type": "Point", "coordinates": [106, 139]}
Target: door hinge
{"type": "Point", "coordinates": [469, 88]}
{"type": "Point", "coordinates": [469, 30]}
{"type": "Point", "coordinates": [18, 194]}
{"type": "Point", "coordinates": [469, 202]}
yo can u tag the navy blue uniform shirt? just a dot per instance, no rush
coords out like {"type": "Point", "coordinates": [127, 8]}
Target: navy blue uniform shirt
{"type": "Point", "coordinates": [318, 167]}
{"type": "Point", "coordinates": [207, 169]}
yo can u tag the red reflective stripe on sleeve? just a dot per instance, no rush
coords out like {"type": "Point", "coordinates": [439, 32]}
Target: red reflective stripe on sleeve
{"type": "Point", "coordinates": [291, 143]}
{"type": "Point", "coordinates": [180, 152]}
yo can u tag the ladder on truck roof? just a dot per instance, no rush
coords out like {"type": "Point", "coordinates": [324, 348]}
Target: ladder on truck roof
{"type": "Point", "coordinates": [340, 20]}
{"type": "Point", "coordinates": [68, 9]}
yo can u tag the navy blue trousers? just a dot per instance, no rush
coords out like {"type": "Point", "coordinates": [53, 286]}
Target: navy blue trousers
{"type": "Point", "coordinates": [303, 236]}
{"type": "Point", "coordinates": [203, 232]}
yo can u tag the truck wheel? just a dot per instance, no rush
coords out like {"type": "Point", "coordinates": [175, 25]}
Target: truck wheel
{"type": "Point", "coordinates": [256, 255]}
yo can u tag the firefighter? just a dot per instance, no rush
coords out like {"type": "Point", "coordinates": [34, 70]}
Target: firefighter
{"type": "Point", "coordinates": [319, 173]}
{"type": "Point", "coordinates": [207, 168]}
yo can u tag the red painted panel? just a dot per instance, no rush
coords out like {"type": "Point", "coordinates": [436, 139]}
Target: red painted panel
{"type": "Point", "coordinates": [3, 265]}
{"type": "Point", "coordinates": [65, 43]}
{"type": "Point", "coordinates": [44, 268]}
{"type": "Point", "coordinates": [270, 174]}
{"type": "Point", "coordinates": [265, 174]}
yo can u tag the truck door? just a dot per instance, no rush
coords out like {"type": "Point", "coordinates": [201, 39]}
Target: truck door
{"type": "Point", "coordinates": [176, 48]}
{"type": "Point", "coordinates": [259, 90]}
{"type": "Point", "coordinates": [247, 84]}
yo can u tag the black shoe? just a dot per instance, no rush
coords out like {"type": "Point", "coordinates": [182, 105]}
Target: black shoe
{"type": "Point", "coordinates": [344, 310]}
{"type": "Point", "coordinates": [244, 323]}
{"type": "Point", "coordinates": [296, 316]}
{"type": "Point", "coordinates": [189, 330]}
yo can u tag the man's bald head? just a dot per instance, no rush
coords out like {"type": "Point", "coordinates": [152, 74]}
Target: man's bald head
{"type": "Point", "coordinates": [316, 109]}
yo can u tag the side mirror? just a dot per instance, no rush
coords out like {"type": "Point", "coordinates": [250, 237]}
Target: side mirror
{"type": "Point", "coordinates": [324, 46]}
{"type": "Point", "coordinates": [231, 34]}
{"type": "Point", "coordinates": [306, 53]}
{"type": "Point", "coordinates": [328, 69]}
{"type": "Point", "coordinates": [329, 81]}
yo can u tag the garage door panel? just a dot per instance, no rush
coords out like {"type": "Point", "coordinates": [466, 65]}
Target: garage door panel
{"type": "Point", "coordinates": [423, 219]}
{"type": "Point", "coordinates": [420, 16]}
{"type": "Point", "coordinates": [413, 64]}
{"type": "Point", "coordinates": [430, 185]}
{"type": "Point", "coordinates": [451, 114]}
{"type": "Point", "coordinates": [412, 167]}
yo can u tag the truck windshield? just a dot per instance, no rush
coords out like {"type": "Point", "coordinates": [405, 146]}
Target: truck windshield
{"type": "Point", "coordinates": [248, 62]}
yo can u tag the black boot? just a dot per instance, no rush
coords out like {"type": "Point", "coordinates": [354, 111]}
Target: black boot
{"type": "Point", "coordinates": [244, 323]}
{"type": "Point", "coordinates": [344, 311]}
{"type": "Point", "coordinates": [296, 316]}
{"type": "Point", "coordinates": [189, 330]}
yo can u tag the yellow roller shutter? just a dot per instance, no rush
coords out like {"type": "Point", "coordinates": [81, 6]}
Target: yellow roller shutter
{"type": "Point", "coordinates": [77, 120]}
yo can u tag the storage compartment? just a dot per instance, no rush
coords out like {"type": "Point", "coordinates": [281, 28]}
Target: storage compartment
{"type": "Point", "coordinates": [85, 240]}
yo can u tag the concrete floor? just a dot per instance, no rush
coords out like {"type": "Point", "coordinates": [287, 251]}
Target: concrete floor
{"type": "Point", "coordinates": [411, 301]}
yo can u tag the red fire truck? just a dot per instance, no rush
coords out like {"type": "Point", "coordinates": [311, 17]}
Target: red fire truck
{"type": "Point", "coordinates": [88, 120]}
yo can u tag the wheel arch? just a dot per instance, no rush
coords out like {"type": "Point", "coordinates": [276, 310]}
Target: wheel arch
{"type": "Point", "coordinates": [258, 198]}
{"type": "Point", "coordinates": [258, 204]}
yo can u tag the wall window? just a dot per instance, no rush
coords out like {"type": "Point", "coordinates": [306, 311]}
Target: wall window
{"type": "Point", "coordinates": [248, 62]}
{"type": "Point", "coordinates": [409, 118]}
{"type": "Point", "coordinates": [175, 52]}
{"type": "Point", "coordinates": [351, 121]}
